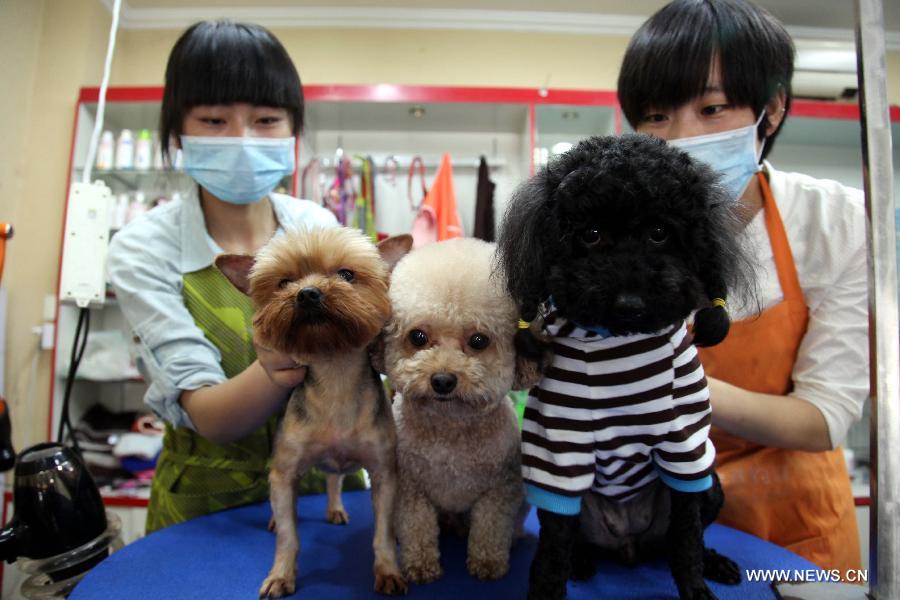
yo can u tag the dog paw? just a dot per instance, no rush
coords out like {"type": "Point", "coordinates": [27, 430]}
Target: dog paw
{"type": "Point", "coordinates": [583, 568]}
{"type": "Point", "coordinates": [423, 571]}
{"type": "Point", "coordinates": [337, 516]}
{"type": "Point", "coordinates": [277, 586]}
{"type": "Point", "coordinates": [390, 583]}
{"type": "Point", "coordinates": [720, 568]}
{"type": "Point", "coordinates": [549, 591]}
{"type": "Point", "coordinates": [487, 568]}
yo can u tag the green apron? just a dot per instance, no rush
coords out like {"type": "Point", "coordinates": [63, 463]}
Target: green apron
{"type": "Point", "coordinates": [193, 475]}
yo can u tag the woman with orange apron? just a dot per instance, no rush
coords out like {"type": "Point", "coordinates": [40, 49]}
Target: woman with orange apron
{"type": "Point", "coordinates": [798, 500]}
{"type": "Point", "coordinates": [713, 77]}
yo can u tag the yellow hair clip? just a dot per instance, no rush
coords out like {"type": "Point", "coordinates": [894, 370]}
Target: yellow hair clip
{"type": "Point", "coordinates": [524, 324]}
{"type": "Point", "coordinates": [719, 302]}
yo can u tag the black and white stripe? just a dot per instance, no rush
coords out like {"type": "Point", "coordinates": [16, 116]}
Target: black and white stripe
{"type": "Point", "coordinates": [611, 412]}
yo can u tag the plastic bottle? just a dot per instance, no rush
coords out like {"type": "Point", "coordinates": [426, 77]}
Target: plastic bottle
{"type": "Point", "coordinates": [120, 212]}
{"type": "Point", "coordinates": [125, 150]}
{"type": "Point", "coordinates": [158, 163]}
{"type": "Point", "coordinates": [143, 151]}
{"type": "Point", "coordinates": [105, 151]}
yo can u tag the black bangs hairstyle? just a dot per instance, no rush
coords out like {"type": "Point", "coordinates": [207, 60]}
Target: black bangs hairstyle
{"type": "Point", "coordinates": [668, 60]}
{"type": "Point", "coordinates": [222, 62]}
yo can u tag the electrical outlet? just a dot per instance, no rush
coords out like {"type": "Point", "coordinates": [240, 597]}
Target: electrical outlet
{"type": "Point", "coordinates": [83, 276]}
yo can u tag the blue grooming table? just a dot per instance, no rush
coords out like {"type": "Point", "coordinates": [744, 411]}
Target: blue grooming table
{"type": "Point", "coordinates": [228, 554]}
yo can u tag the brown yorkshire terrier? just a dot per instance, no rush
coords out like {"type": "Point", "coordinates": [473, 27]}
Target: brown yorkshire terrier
{"type": "Point", "coordinates": [321, 296]}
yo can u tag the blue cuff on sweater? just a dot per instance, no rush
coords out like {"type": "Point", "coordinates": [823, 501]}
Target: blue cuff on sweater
{"type": "Point", "coordinates": [555, 503]}
{"type": "Point", "coordinates": [696, 485]}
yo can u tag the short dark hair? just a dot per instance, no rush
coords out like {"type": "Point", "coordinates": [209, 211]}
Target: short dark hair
{"type": "Point", "coordinates": [223, 62]}
{"type": "Point", "coordinates": [668, 60]}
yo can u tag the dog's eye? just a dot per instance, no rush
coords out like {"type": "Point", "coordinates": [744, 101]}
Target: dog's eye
{"type": "Point", "coordinates": [418, 338]}
{"type": "Point", "coordinates": [657, 235]}
{"type": "Point", "coordinates": [590, 237]}
{"type": "Point", "coordinates": [479, 341]}
{"type": "Point", "coordinates": [284, 283]}
{"type": "Point", "coordinates": [345, 274]}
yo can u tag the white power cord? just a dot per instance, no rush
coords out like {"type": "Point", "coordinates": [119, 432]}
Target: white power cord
{"type": "Point", "coordinates": [101, 103]}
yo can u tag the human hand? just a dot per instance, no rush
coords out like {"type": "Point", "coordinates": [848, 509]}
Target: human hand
{"type": "Point", "coordinates": [283, 370]}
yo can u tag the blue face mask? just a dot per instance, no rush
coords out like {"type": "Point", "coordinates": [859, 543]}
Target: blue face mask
{"type": "Point", "coordinates": [240, 170]}
{"type": "Point", "coordinates": [732, 154]}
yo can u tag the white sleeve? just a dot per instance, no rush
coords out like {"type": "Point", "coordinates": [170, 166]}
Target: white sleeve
{"type": "Point", "coordinates": [175, 355]}
{"type": "Point", "coordinates": [832, 367]}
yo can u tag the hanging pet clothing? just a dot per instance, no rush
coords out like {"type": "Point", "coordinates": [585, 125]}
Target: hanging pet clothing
{"type": "Point", "coordinates": [393, 212]}
{"type": "Point", "coordinates": [341, 195]}
{"type": "Point", "coordinates": [438, 218]}
{"type": "Point", "coordinates": [484, 203]}
{"type": "Point", "coordinates": [364, 215]}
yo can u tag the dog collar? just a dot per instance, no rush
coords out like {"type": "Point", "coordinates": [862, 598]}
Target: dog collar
{"type": "Point", "coordinates": [601, 331]}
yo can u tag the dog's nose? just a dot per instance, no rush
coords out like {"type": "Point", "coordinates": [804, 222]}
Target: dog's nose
{"type": "Point", "coordinates": [443, 383]}
{"type": "Point", "coordinates": [309, 297]}
{"type": "Point", "coordinates": [629, 305]}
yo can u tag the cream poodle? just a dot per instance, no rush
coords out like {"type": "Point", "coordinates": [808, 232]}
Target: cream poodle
{"type": "Point", "coordinates": [448, 352]}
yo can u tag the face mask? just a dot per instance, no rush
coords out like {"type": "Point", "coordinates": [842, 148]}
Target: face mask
{"type": "Point", "coordinates": [732, 154]}
{"type": "Point", "coordinates": [240, 170]}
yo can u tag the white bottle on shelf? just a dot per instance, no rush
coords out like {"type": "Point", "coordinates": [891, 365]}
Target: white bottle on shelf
{"type": "Point", "coordinates": [158, 163]}
{"type": "Point", "coordinates": [125, 150]}
{"type": "Point", "coordinates": [143, 151]}
{"type": "Point", "coordinates": [105, 151]}
{"type": "Point", "coordinates": [120, 212]}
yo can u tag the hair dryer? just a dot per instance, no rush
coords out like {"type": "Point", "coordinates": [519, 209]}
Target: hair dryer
{"type": "Point", "coordinates": [57, 505]}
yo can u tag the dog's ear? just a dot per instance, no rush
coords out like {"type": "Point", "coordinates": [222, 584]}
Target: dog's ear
{"type": "Point", "coordinates": [236, 267]}
{"type": "Point", "coordinates": [528, 230]}
{"type": "Point", "coordinates": [711, 324]}
{"type": "Point", "coordinates": [376, 354]}
{"type": "Point", "coordinates": [394, 248]}
{"type": "Point", "coordinates": [724, 266]}
{"type": "Point", "coordinates": [522, 244]}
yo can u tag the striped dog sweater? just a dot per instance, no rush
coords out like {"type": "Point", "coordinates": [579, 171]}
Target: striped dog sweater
{"type": "Point", "coordinates": [612, 414]}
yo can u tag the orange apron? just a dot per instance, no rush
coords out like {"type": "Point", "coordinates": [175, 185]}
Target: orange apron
{"type": "Point", "coordinates": [798, 500]}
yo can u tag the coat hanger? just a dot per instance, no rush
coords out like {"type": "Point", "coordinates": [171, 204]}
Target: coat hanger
{"type": "Point", "coordinates": [416, 161]}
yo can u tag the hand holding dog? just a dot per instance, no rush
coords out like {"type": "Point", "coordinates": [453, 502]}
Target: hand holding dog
{"type": "Point", "coordinates": [281, 368]}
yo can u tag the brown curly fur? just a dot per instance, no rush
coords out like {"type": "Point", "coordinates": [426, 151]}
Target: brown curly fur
{"type": "Point", "coordinates": [457, 451]}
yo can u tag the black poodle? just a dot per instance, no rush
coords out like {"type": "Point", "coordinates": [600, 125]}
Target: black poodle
{"type": "Point", "coordinates": [615, 244]}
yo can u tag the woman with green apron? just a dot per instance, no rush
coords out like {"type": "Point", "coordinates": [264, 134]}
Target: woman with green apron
{"type": "Point", "coordinates": [233, 104]}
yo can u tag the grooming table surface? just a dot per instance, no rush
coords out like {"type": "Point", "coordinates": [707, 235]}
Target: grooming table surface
{"type": "Point", "coordinates": [228, 554]}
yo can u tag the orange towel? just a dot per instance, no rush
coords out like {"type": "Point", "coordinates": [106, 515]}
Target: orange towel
{"type": "Point", "coordinates": [438, 218]}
